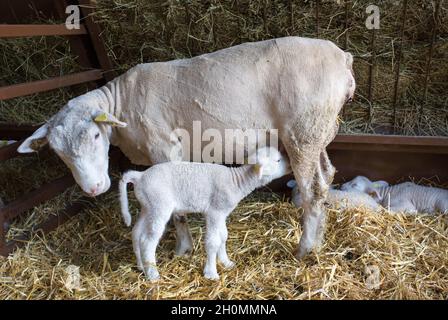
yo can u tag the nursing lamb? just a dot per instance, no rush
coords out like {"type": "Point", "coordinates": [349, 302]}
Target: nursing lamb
{"type": "Point", "coordinates": [405, 197]}
{"type": "Point", "coordinates": [183, 187]}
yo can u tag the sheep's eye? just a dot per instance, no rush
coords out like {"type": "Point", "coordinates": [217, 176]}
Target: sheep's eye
{"type": "Point", "coordinates": [97, 136]}
{"type": "Point", "coordinates": [278, 160]}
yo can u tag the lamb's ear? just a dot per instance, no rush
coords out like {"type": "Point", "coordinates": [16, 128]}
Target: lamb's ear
{"type": "Point", "coordinates": [291, 183]}
{"type": "Point", "coordinates": [258, 168]}
{"type": "Point", "coordinates": [35, 141]}
{"type": "Point", "coordinates": [107, 118]}
{"type": "Point", "coordinates": [373, 192]}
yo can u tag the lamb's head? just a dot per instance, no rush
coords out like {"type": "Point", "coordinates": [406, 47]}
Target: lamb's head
{"type": "Point", "coordinates": [363, 184]}
{"type": "Point", "coordinates": [270, 163]}
{"type": "Point", "coordinates": [79, 134]}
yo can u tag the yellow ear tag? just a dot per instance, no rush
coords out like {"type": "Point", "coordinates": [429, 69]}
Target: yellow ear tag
{"type": "Point", "coordinates": [257, 168]}
{"type": "Point", "coordinates": [105, 118]}
{"type": "Point", "coordinates": [101, 118]}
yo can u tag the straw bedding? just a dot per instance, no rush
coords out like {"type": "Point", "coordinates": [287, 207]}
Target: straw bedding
{"type": "Point", "coordinates": [365, 255]}
{"type": "Point", "coordinates": [408, 254]}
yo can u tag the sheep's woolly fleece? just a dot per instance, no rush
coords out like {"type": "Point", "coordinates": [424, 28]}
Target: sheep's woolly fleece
{"type": "Point", "coordinates": [365, 255]}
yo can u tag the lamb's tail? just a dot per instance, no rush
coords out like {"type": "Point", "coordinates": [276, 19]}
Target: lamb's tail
{"type": "Point", "coordinates": [128, 177]}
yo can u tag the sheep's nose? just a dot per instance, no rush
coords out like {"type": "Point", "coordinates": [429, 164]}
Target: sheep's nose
{"type": "Point", "coordinates": [94, 191]}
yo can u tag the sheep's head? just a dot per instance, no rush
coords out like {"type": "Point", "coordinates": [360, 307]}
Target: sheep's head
{"type": "Point", "coordinates": [363, 184]}
{"type": "Point", "coordinates": [269, 163]}
{"type": "Point", "coordinates": [79, 134]}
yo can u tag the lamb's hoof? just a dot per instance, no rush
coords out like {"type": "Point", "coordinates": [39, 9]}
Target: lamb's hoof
{"type": "Point", "coordinates": [152, 274]}
{"type": "Point", "coordinates": [211, 275]}
{"type": "Point", "coordinates": [228, 264]}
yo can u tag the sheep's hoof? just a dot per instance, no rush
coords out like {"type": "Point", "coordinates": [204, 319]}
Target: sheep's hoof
{"type": "Point", "coordinates": [300, 252]}
{"type": "Point", "coordinates": [183, 251]}
{"type": "Point", "coordinates": [211, 275]}
{"type": "Point", "coordinates": [152, 274]}
{"type": "Point", "coordinates": [228, 264]}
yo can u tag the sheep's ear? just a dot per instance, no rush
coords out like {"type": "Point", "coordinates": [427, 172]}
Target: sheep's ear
{"type": "Point", "coordinates": [291, 184]}
{"type": "Point", "coordinates": [35, 141]}
{"type": "Point", "coordinates": [258, 170]}
{"type": "Point", "coordinates": [109, 119]}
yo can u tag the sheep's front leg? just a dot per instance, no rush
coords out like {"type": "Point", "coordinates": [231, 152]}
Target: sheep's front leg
{"type": "Point", "coordinates": [184, 240]}
{"type": "Point", "coordinates": [155, 222]}
{"type": "Point", "coordinates": [213, 242]}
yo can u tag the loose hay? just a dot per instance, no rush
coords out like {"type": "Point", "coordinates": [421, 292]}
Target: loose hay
{"type": "Point", "coordinates": [365, 256]}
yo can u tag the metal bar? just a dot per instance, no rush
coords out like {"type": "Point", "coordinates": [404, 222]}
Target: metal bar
{"type": "Point", "coordinates": [291, 15]}
{"type": "Point", "coordinates": [16, 132]}
{"type": "Point", "coordinates": [48, 225]}
{"type": "Point", "coordinates": [371, 72]}
{"type": "Point", "coordinates": [347, 12]}
{"type": "Point", "coordinates": [33, 30]}
{"type": "Point", "coordinates": [23, 89]}
{"type": "Point", "coordinates": [2, 232]}
{"type": "Point", "coordinates": [397, 73]}
{"type": "Point", "coordinates": [265, 16]}
{"type": "Point", "coordinates": [37, 196]}
{"type": "Point", "coordinates": [431, 49]}
{"type": "Point", "coordinates": [95, 37]}
{"type": "Point", "coordinates": [317, 18]}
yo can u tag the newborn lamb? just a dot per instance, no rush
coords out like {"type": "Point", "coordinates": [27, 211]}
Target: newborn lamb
{"type": "Point", "coordinates": [405, 197]}
{"type": "Point", "coordinates": [338, 199]}
{"type": "Point", "coordinates": [182, 187]}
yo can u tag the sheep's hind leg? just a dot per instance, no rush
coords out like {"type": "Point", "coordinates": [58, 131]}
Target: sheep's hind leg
{"type": "Point", "coordinates": [155, 223]}
{"type": "Point", "coordinates": [136, 234]}
{"type": "Point", "coordinates": [213, 243]}
{"type": "Point", "coordinates": [184, 240]}
{"type": "Point", "coordinates": [313, 187]}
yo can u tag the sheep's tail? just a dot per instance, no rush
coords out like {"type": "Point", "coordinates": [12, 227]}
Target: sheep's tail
{"type": "Point", "coordinates": [128, 177]}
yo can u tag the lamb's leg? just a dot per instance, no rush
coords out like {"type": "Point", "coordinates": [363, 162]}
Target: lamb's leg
{"type": "Point", "coordinates": [313, 187]}
{"type": "Point", "coordinates": [222, 251]}
{"type": "Point", "coordinates": [155, 222]}
{"type": "Point", "coordinates": [136, 234]}
{"type": "Point", "coordinates": [213, 243]}
{"type": "Point", "coordinates": [184, 240]}
{"type": "Point", "coordinates": [403, 206]}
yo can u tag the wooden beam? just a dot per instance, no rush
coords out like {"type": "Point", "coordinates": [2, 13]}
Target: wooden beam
{"type": "Point", "coordinates": [35, 197]}
{"type": "Point", "coordinates": [94, 31]}
{"type": "Point", "coordinates": [10, 151]}
{"type": "Point", "coordinates": [391, 139]}
{"type": "Point", "coordinates": [23, 89]}
{"type": "Point", "coordinates": [16, 131]}
{"type": "Point", "coordinates": [34, 30]}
